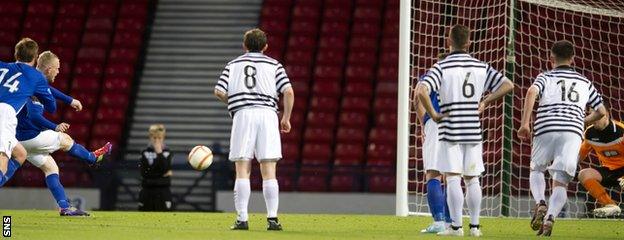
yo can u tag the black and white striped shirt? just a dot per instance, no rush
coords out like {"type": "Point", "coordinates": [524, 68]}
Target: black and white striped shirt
{"type": "Point", "coordinates": [253, 80]}
{"type": "Point", "coordinates": [564, 94]}
{"type": "Point", "coordinates": [461, 81]}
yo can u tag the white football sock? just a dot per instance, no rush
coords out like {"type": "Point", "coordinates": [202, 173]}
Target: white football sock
{"type": "Point", "coordinates": [537, 185]}
{"type": "Point", "coordinates": [473, 199]}
{"type": "Point", "coordinates": [242, 191]}
{"type": "Point", "coordinates": [455, 199]}
{"type": "Point", "coordinates": [557, 200]}
{"type": "Point", "coordinates": [270, 190]}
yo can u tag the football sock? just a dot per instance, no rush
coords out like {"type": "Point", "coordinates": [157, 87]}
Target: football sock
{"type": "Point", "coordinates": [270, 190]}
{"type": "Point", "coordinates": [455, 199]}
{"type": "Point", "coordinates": [435, 198]}
{"type": "Point", "coordinates": [2, 179]}
{"type": "Point", "coordinates": [80, 152]}
{"type": "Point", "coordinates": [557, 200]}
{"type": "Point", "coordinates": [11, 168]}
{"type": "Point", "coordinates": [242, 191]}
{"type": "Point", "coordinates": [537, 185]}
{"type": "Point", "coordinates": [598, 192]}
{"type": "Point", "coordinates": [54, 184]}
{"type": "Point", "coordinates": [447, 214]}
{"type": "Point", "coordinates": [473, 199]}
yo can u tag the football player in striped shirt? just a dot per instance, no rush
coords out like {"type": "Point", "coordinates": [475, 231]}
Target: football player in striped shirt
{"type": "Point", "coordinates": [605, 139]}
{"type": "Point", "coordinates": [436, 199]}
{"type": "Point", "coordinates": [250, 85]}
{"type": "Point", "coordinates": [558, 130]}
{"type": "Point", "coordinates": [461, 80]}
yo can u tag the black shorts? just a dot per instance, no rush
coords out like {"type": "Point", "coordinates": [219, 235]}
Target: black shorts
{"type": "Point", "coordinates": [155, 199]}
{"type": "Point", "coordinates": [610, 177]}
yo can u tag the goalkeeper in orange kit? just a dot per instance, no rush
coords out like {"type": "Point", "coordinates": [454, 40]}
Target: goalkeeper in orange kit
{"type": "Point", "coordinates": [605, 138]}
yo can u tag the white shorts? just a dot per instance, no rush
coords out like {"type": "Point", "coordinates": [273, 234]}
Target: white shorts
{"type": "Point", "coordinates": [41, 146]}
{"type": "Point", "coordinates": [430, 146]}
{"type": "Point", "coordinates": [255, 132]}
{"type": "Point", "coordinates": [8, 124]}
{"type": "Point", "coordinates": [556, 151]}
{"type": "Point", "coordinates": [462, 158]}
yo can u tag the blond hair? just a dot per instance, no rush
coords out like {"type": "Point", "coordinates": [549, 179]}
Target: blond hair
{"type": "Point", "coordinates": [157, 129]}
{"type": "Point", "coordinates": [45, 60]}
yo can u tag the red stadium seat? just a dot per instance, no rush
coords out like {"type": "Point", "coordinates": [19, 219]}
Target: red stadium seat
{"type": "Point", "coordinates": [360, 73]}
{"type": "Point", "coordinates": [44, 8]}
{"type": "Point", "coordinates": [312, 183]}
{"type": "Point", "coordinates": [11, 8]}
{"type": "Point", "coordinates": [276, 3]}
{"type": "Point", "coordinates": [69, 178]}
{"type": "Point", "coordinates": [134, 9]}
{"type": "Point", "coordinates": [316, 154]}
{"type": "Point", "coordinates": [337, 14]}
{"type": "Point", "coordinates": [344, 183]}
{"type": "Point", "coordinates": [382, 183]}
{"type": "Point", "coordinates": [103, 8]}
{"type": "Point", "coordinates": [331, 57]}
{"type": "Point", "coordinates": [364, 58]}
{"type": "Point", "coordinates": [386, 90]}
{"type": "Point", "coordinates": [302, 42]}
{"type": "Point", "coordinates": [29, 177]}
{"type": "Point", "coordinates": [348, 154]}
{"type": "Point", "coordinates": [70, 24]}
{"type": "Point", "coordinates": [275, 27]}
{"type": "Point", "coordinates": [370, 29]}
{"type": "Point", "coordinates": [358, 89]}
{"type": "Point", "coordinates": [332, 42]}
{"type": "Point", "coordinates": [11, 24]}
{"type": "Point", "coordinates": [107, 130]}
{"type": "Point", "coordinates": [306, 13]}
{"type": "Point", "coordinates": [338, 29]}
{"type": "Point", "coordinates": [40, 37]}
{"type": "Point", "coordinates": [131, 24]}
{"type": "Point", "coordinates": [87, 99]}
{"type": "Point", "coordinates": [112, 99]}
{"type": "Point", "coordinates": [8, 38]}
{"type": "Point", "coordinates": [324, 104]}
{"type": "Point", "coordinates": [318, 135]}
{"type": "Point", "coordinates": [298, 73]}
{"type": "Point", "coordinates": [356, 104]}
{"type": "Point", "coordinates": [386, 119]}
{"type": "Point", "coordinates": [381, 151]}
{"type": "Point", "coordinates": [299, 57]}
{"type": "Point", "coordinates": [70, 8]}
{"type": "Point", "coordinates": [370, 3]}
{"type": "Point", "coordinates": [96, 39]}
{"type": "Point", "coordinates": [380, 162]}
{"type": "Point", "coordinates": [86, 84]}
{"type": "Point", "coordinates": [367, 14]}
{"type": "Point", "coordinates": [275, 12]}
{"type": "Point", "coordinates": [382, 135]}
{"type": "Point", "coordinates": [385, 105]}
{"type": "Point", "coordinates": [290, 154]}
{"type": "Point", "coordinates": [120, 70]}
{"type": "Point", "coordinates": [88, 69]}
{"type": "Point", "coordinates": [328, 72]}
{"type": "Point", "coordinates": [124, 55]}
{"type": "Point", "coordinates": [127, 39]}
{"type": "Point", "coordinates": [38, 24]}
{"type": "Point", "coordinates": [117, 84]}
{"type": "Point", "coordinates": [92, 54]}
{"type": "Point", "coordinates": [351, 135]}
{"type": "Point", "coordinates": [65, 39]}
{"type": "Point", "coordinates": [326, 88]}
{"type": "Point", "coordinates": [100, 24]}
{"type": "Point", "coordinates": [110, 114]}
{"type": "Point", "coordinates": [78, 130]}
{"type": "Point", "coordinates": [353, 119]}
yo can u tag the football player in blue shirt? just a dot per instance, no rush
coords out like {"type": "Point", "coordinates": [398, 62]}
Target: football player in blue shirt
{"type": "Point", "coordinates": [18, 82]}
{"type": "Point", "coordinates": [41, 137]}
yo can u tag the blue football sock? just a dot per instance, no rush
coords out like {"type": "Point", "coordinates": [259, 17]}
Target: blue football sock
{"type": "Point", "coordinates": [11, 168]}
{"type": "Point", "coordinates": [2, 179]}
{"type": "Point", "coordinates": [54, 184]}
{"type": "Point", "coordinates": [80, 152]}
{"type": "Point", "coordinates": [436, 200]}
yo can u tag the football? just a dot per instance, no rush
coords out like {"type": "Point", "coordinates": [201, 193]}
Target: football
{"type": "Point", "coordinates": [200, 157]}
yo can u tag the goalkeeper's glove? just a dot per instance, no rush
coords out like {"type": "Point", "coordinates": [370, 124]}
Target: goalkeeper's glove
{"type": "Point", "coordinates": [621, 180]}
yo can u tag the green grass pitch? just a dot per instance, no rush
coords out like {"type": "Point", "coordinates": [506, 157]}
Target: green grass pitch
{"type": "Point", "coordinates": [48, 225]}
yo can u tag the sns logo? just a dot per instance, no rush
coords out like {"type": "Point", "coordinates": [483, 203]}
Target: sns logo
{"type": "Point", "coordinates": [6, 226]}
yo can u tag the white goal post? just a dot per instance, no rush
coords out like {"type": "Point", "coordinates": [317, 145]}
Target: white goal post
{"type": "Point", "coordinates": [514, 36]}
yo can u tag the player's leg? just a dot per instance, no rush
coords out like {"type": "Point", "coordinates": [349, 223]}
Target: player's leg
{"type": "Point", "coordinates": [473, 168]}
{"type": "Point", "coordinates": [436, 199]}
{"type": "Point", "coordinates": [67, 144]}
{"type": "Point", "coordinates": [53, 182]}
{"type": "Point", "coordinates": [268, 151]}
{"type": "Point", "coordinates": [591, 179]}
{"type": "Point", "coordinates": [242, 143]}
{"type": "Point", "coordinates": [12, 164]}
{"type": "Point", "coordinates": [541, 157]}
{"type": "Point", "coordinates": [566, 147]}
{"type": "Point", "coordinates": [450, 162]}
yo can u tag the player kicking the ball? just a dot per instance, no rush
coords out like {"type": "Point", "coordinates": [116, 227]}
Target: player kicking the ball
{"type": "Point", "coordinates": [558, 131]}
{"type": "Point", "coordinates": [461, 81]}
{"type": "Point", "coordinates": [605, 139]}
{"type": "Point", "coordinates": [40, 137]}
{"type": "Point", "coordinates": [250, 85]}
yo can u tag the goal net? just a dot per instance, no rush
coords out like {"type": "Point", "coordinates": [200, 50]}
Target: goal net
{"type": "Point", "coordinates": [514, 36]}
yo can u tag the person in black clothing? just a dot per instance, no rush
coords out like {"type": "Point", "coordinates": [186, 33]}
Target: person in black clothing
{"type": "Point", "coordinates": [155, 166]}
